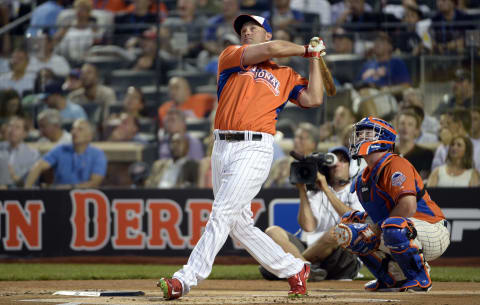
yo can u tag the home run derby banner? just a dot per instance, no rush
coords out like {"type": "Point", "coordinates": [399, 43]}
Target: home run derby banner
{"type": "Point", "coordinates": [168, 222]}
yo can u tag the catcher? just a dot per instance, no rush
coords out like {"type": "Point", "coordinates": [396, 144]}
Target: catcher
{"type": "Point", "coordinates": [402, 228]}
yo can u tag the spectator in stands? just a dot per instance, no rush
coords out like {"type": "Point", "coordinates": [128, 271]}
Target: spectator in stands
{"type": "Point", "coordinates": [133, 23]}
{"type": "Point", "coordinates": [153, 8]}
{"type": "Point", "coordinates": [462, 92]}
{"type": "Point", "coordinates": [322, 8]}
{"type": "Point", "coordinates": [76, 165]}
{"type": "Point", "coordinates": [220, 25]}
{"type": "Point", "coordinates": [74, 38]}
{"type": "Point", "coordinates": [304, 143]}
{"type": "Point", "coordinates": [379, 80]}
{"type": "Point", "coordinates": [148, 45]}
{"type": "Point", "coordinates": [50, 126]}
{"type": "Point", "coordinates": [430, 125]}
{"type": "Point", "coordinates": [341, 10]}
{"type": "Point", "coordinates": [384, 70]}
{"type": "Point", "coordinates": [343, 41]}
{"type": "Point", "coordinates": [424, 137]}
{"type": "Point", "coordinates": [209, 61]}
{"type": "Point", "coordinates": [178, 171]}
{"type": "Point", "coordinates": [44, 17]}
{"type": "Point", "coordinates": [399, 10]}
{"type": "Point", "coordinates": [458, 171]}
{"type": "Point", "coordinates": [133, 104]}
{"type": "Point", "coordinates": [72, 82]}
{"type": "Point", "coordinates": [125, 129]}
{"type": "Point", "coordinates": [18, 78]}
{"type": "Point", "coordinates": [93, 92]}
{"type": "Point", "coordinates": [46, 58]}
{"type": "Point", "coordinates": [408, 128]}
{"type": "Point", "coordinates": [459, 124]}
{"type": "Point", "coordinates": [407, 39]}
{"type": "Point", "coordinates": [184, 29]}
{"type": "Point", "coordinates": [193, 105]}
{"type": "Point", "coordinates": [332, 131]}
{"type": "Point", "coordinates": [449, 28]}
{"type": "Point", "coordinates": [54, 97]}
{"type": "Point", "coordinates": [16, 157]}
{"type": "Point", "coordinates": [114, 6]}
{"type": "Point", "coordinates": [175, 122]}
{"type": "Point", "coordinates": [281, 16]}
{"type": "Point", "coordinates": [42, 78]}
{"type": "Point", "coordinates": [10, 105]}
{"type": "Point", "coordinates": [355, 18]}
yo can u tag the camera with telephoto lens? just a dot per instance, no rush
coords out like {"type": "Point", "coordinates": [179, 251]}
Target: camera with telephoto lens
{"type": "Point", "coordinates": [305, 169]}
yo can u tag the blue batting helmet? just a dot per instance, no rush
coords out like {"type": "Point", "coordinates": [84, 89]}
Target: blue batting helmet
{"type": "Point", "coordinates": [371, 134]}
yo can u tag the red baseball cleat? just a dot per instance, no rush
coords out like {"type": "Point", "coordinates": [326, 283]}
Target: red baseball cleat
{"type": "Point", "coordinates": [172, 288]}
{"type": "Point", "coordinates": [298, 283]}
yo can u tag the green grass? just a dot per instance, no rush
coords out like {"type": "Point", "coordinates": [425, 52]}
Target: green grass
{"type": "Point", "coordinates": [26, 271]}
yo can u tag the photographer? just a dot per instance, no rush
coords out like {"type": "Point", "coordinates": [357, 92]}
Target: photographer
{"type": "Point", "coordinates": [320, 210]}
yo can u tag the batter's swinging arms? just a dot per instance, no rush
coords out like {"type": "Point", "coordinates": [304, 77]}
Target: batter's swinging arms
{"type": "Point", "coordinates": [252, 90]}
{"type": "Point", "coordinates": [402, 228]}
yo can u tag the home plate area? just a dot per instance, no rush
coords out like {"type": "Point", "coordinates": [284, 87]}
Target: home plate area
{"type": "Point", "coordinates": [226, 292]}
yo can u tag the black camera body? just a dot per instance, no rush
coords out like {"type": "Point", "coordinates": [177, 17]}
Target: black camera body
{"type": "Point", "coordinates": [305, 169]}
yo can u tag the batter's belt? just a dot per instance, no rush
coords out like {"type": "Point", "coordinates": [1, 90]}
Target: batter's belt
{"type": "Point", "coordinates": [240, 136]}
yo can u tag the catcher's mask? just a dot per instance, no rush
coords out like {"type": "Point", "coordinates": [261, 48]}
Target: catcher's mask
{"type": "Point", "coordinates": [370, 135]}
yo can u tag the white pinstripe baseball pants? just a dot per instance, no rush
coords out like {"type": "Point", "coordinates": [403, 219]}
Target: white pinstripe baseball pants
{"type": "Point", "coordinates": [238, 169]}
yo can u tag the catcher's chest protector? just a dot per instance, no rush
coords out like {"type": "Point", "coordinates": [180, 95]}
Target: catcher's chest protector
{"type": "Point", "coordinates": [376, 202]}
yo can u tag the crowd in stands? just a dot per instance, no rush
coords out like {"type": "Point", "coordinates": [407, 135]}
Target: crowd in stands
{"type": "Point", "coordinates": [144, 71]}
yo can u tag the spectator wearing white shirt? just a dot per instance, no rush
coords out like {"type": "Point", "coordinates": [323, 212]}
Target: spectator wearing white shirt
{"type": "Point", "coordinates": [18, 78]}
{"type": "Point", "coordinates": [50, 126]}
{"type": "Point", "coordinates": [46, 58]}
{"type": "Point", "coordinates": [16, 157]}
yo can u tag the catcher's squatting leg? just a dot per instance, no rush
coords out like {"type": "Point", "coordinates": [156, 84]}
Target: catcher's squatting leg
{"type": "Point", "coordinates": [399, 234]}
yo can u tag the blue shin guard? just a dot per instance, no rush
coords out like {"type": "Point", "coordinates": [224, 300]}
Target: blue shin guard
{"type": "Point", "coordinates": [398, 236]}
{"type": "Point", "coordinates": [377, 264]}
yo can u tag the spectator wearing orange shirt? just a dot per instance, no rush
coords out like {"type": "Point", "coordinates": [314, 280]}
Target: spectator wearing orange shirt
{"type": "Point", "coordinates": [114, 6]}
{"type": "Point", "coordinates": [193, 105]}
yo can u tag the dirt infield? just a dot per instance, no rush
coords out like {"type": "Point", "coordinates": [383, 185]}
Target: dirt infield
{"type": "Point", "coordinates": [233, 292]}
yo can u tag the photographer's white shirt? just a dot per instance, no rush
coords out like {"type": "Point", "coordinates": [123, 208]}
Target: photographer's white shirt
{"type": "Point", "coordinates": [324, 212]}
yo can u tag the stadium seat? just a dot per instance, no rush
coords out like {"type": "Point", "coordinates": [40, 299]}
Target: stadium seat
{"type": "Point", "coordinates": [157, 95]}
{"type": "Point", "coordinates": [195, 79]}
{"type": "Point", "coordinates": [122, 79]}
{"type": "Point", "coordinates": [345, 67]}
{"type": "Point", "coordinates": [198, 125]}
{"type": "Point", "coordinates": [298, 114]}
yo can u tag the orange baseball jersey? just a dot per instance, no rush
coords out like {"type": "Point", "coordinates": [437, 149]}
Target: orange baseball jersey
{"type": "Point", "coordinates": [251, 97]}
{"type": "Point", "coordinates": [400, 178]}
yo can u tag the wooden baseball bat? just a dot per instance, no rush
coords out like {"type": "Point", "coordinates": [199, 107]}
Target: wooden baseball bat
{"type": "Point", "coordinates": [327, 78]}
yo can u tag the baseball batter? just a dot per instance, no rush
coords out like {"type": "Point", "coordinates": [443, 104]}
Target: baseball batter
{"type": "Point", "coordinates": [252, 90]}
{"type": "Point", "coordinates": [402, 228]}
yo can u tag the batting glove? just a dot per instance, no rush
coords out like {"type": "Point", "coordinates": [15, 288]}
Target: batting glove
{"type": "Point", "coordinates": [315, 49]}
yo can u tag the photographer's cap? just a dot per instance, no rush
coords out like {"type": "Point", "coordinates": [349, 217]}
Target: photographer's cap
{"type": "Point", "coordinates": [242, 19]}
{"type": "Point", "coordinates": [342, 149]}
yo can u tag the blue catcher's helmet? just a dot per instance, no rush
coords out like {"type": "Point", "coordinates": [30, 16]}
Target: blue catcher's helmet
{"type": "Point", "coordinates": [371, 134]}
